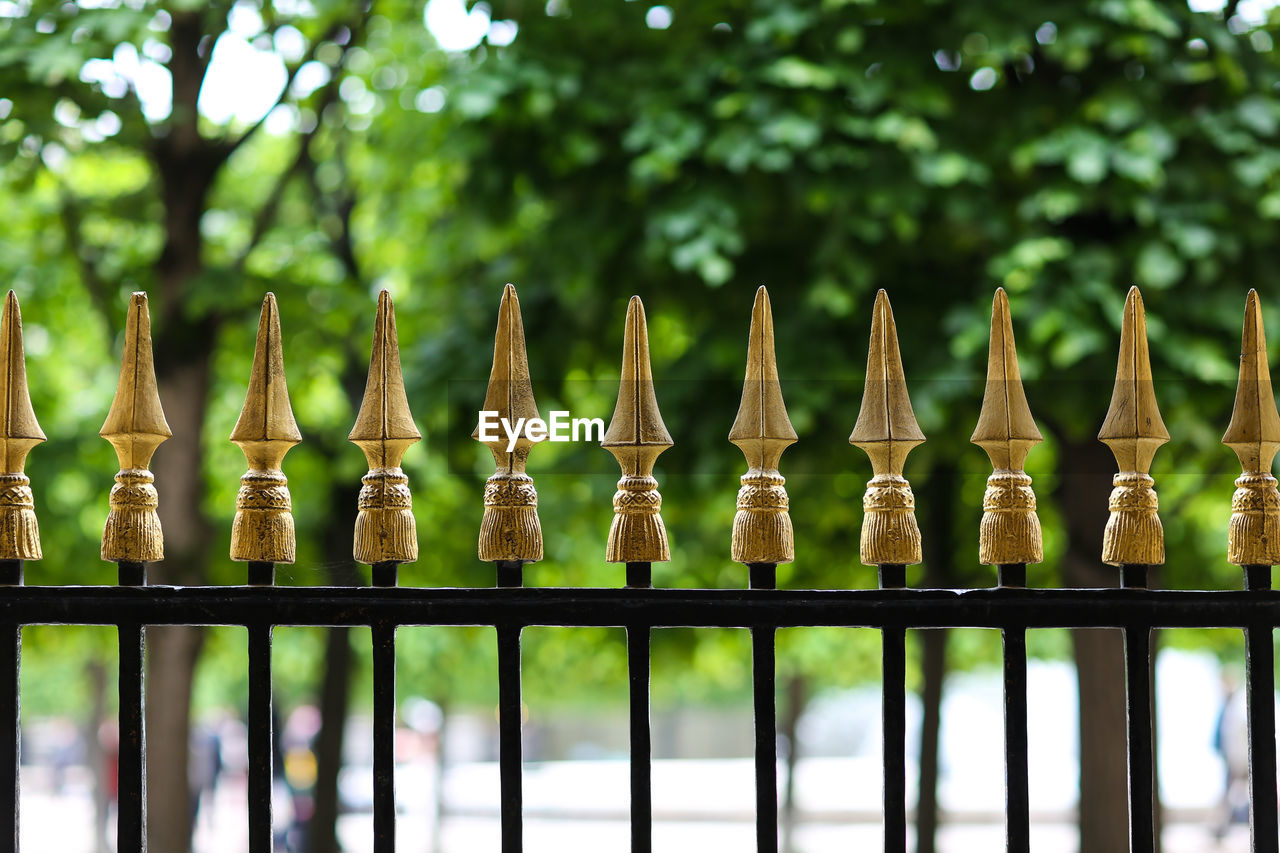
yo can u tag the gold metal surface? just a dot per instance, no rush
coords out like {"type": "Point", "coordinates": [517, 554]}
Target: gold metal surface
{"type": "Point", "coordinates": [1134, 431]}
{"type": "Point", "coordinates": [135, 426]}
{"type": "Point", "coordinates": [263, 527]}
{"type": "Point", "coordinates": [636, 437]}
{"type": "Point", "coordinates": [1254, 434]}
{"type": "Point", "coordinates": [385, 527]}
{"type": "Point", "coordinates": [510, 530]}
{"type": "Point", "coordinates": [1010, 531]}
{"type": "Point", "coordinates": [762, 531]}
{"type": "Point", "coordinates": [19, 432]}
{"type": "Point", "coordinates": [887, 431]}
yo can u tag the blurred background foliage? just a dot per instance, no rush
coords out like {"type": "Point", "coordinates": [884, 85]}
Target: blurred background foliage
{"type": "Point", "coordinates": [686, 152]}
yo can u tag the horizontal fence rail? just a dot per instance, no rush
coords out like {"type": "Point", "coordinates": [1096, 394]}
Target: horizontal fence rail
{"type": "Point", "coordinates": [997, 608]}
{"type": "Point", "coordinates": [639, 608]}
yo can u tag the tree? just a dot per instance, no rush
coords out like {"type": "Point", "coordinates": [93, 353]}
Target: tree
{"type": "Point", "coordinates": [130, 181]}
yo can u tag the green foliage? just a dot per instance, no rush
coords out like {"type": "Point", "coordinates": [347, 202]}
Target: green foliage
{"type": "Point", "coordinates": [1062, 150]}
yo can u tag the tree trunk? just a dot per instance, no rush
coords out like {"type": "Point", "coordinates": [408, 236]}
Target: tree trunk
{"type": "Point", "coordinates": [1085, 482]}
{"type": "Point", "coordinates": [186, 164]}
{"type": "Point", "coordinates": [797, 698]}
{"type": "Point", "coordinates": [339, 545]}
{"type": "Point", "coordinates": [334, 701]}
{"type": "Point", "coordinates": [940, 571]}
{"type": "Point", "coordinates": [933, 671]}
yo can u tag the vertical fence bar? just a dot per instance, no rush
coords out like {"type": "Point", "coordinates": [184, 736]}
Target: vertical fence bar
{"type": "Point", "coordinates": [1137, 654]}
{"type": "Point", "coordinates": [510, 712]}
{"type": "Point", "coordinates": [384, 722]}
{"type": "Point", "coordinates": [894, 711]}
{"type": "Point", "coordinates": [1017, 797]}
{"type": "Point", "coordinates": [131, 817]}
{"type": "Point", "coordinates": [261, 723]}
{"type": "Point", "coordinates": [640, 576]}
{"type": "Point", "coordinates": [1260, 683]}
{"type": "Point", "coordinates": [11, 702]}
{"type": "Point", "coordinates": [763, 671]}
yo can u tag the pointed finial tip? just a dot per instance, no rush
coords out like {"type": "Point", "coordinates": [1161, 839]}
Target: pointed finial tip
{"type": "Point", "coordinates": [634, 301]}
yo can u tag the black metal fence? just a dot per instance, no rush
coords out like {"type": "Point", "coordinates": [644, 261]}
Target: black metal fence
{"type": "Point", "coordinates": [509, 607]}
{"type": "Point", "coordinates": [762, 537]}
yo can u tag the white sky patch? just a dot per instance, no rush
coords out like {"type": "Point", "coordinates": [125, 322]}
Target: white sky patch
{"type": "Point", "coordinates": [149, 78]}
{"type": "Point", "coordinates": [1253, 12]}
{"type": "Point", "coordinates": [658, 17]}
{"type": "Point", "coordinates": [311, 76]}
{"type": "Point", "coordinates": [453, 27]}
{"type": "Point", "coordinates": [244, 20]}
{"type": "Point", "coordinates": [243, 83]}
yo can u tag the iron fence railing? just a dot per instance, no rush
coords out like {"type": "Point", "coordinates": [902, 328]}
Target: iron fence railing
{"type": "Point", "coordinates": [639, 608]}
{"type": "Point", "coordinates": [385, 536]}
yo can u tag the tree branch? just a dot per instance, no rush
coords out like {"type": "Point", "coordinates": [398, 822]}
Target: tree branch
{"type": "Point", "coordinates": [330, 35]}
{"type": "Point", "coordinates": [266, 214]}
{"type": "Point", "coordinates": [101, 292]}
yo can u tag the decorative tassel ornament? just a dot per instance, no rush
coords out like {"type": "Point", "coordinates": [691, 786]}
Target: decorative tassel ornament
{"type": "Point", "coordinates": [135, 427]}
{"type": "Point", "coordinates": [386, 531]}
{"type": "Point", "coordinates": [762, 531]}
{"type": "Point", "coordinates": [1010, 532]}
{"type": "Point", "coordinates": [887, 431]}
{"type": "Point", "coordinates": [1254, 434]}
{"type": "Point", "coordinates": [263, 528]}
{"type": "Point", "coordinates": [19, 432]}
{"type": "Point", "coordinates": [636, 437]}
{"type": "Point", "coordinates": [510, 531]}
{"type": "Point", "coordinates": [1134, 430]}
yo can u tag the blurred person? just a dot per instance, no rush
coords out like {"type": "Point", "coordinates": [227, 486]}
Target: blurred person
{"type": "Point", "coordinates": [297, 753]}
{"type": "Point", "coordinates": [204, 766]}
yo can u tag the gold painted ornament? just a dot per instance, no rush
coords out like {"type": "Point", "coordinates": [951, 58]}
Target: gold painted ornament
{"type": "Point", "coordinates": [135, 427]}
{"type": "Point", "coordinates": [19, 432]}
{"type": "Point", "coordinates": [762, 530]}
{"type": "Point", "coordinates": [1254, 434]}
{"type": "Point", "coordinates": [1010, 532]}
{"type": "Point", "coordinates": [636, 437]}
{"type": "Point", "coordinates": [887, 431]}
{"type": "Point", "coordinates": [510, 530]}
{"type": "Point", "coordinates": [1134, 431]}
{"type": "Point", "coordinates": [263, 528]}
{"type": "Point", "coordinates": [386, 531]}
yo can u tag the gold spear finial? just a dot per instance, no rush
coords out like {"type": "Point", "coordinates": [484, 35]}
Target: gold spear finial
{"type": "Point", "coordinates": [19, 432]}
{"type": "Point", "coordinates": [263, 527]}
{"type": "Point", "coordinates": [1254, 434]}
{"type": "Point", "coordinates": [1010, 530]}
{"type": "Point", "coordinates": [1134, 431]}
{"type": "Point", "coordinates": [510, 531]}
{"type": "Point", "coordinates": [762, 531]}
{"type": "Point", "coordinates": [384, 430]}
{"type": "Point", "coordinates": [636, 437]}
{"type": "Point", "coordinates": [887, 431]}
{"type": "Point", "coordinates": [135, 426]}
